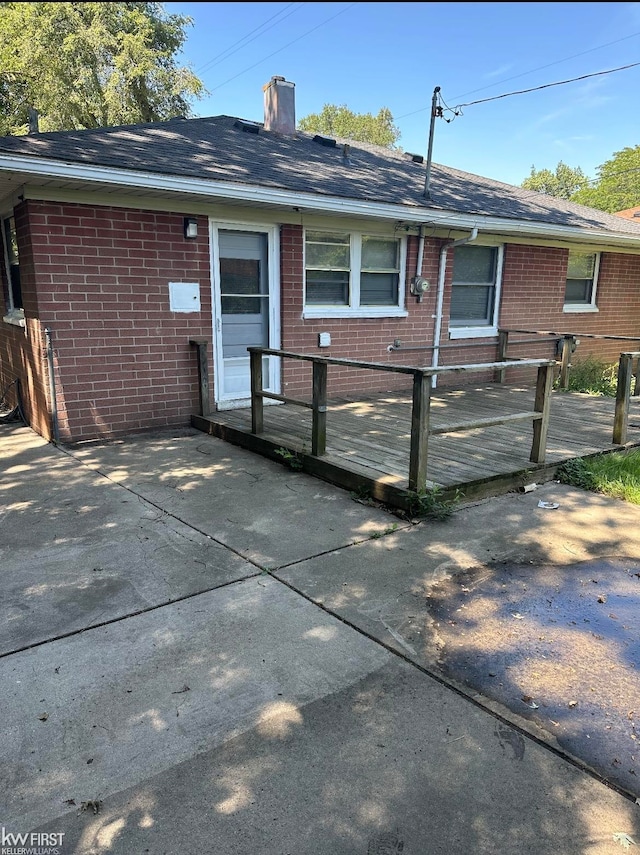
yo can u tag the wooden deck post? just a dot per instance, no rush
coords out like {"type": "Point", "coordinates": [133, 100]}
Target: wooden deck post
{"type": "Point", "coordinates": [623, 395]}
{"type": "Point", "coordinates": [203, 374]}
{"type": "Point", "coordinates": [419, 431]}
{"type": "Point", "coordinates": [319, 409]}
{"type": "Point", "coordinates": [503, 344]}
{"type": "Point", "coordinates": [565, 366]}
{"type": "Point", "coordinates": [542, 405]}
{"type": "Point", "coordinates": [257, 402]}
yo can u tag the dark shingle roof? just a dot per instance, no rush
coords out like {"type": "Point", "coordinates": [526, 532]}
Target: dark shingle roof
{"type": "Point", "coordinates": [218, 148]}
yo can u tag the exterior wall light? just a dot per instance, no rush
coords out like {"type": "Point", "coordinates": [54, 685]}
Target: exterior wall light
{"type": "Point", "coordinates": [190, 227]}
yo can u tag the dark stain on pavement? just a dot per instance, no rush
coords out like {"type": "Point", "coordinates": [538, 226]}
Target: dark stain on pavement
{"type": "Point", "coordinates": [510, 740]}
{"type": "Point", "coordinates": [559, 645]}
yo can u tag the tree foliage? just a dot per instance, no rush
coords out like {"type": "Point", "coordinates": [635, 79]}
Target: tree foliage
{"type": "Point", "coordinates": [618, 184]}
{"type": "Point", "coordinates": [339, 121]}
{"type": "Point", "coordinates": [563, 183]}
{"type": "Point", "coordinates": [87, 65]}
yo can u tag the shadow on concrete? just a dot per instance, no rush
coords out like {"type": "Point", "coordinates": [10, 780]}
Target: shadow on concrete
{"type": "Point", "coordinates": [387, 765]}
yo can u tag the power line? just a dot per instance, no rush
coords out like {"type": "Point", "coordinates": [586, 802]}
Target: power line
{"type": "Point", "coordinates": [548, 85]}
{"type": "Point", "coordinates": [524, 73]}
{"type": "Point", "coordinates": [542, 67]}
{"type": "Point", "coordinates": [265, 58]}
{"type": "Point", "coordinates": [245, 40]}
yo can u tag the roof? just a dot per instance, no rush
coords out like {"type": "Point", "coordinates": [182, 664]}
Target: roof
{"type": "Point", "coordinates": [223, 148]}
{"type": "Point", "coordinates": [629, 213]}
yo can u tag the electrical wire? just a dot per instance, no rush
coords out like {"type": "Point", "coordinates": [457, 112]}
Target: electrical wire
{"type": "Point", "coordinates": [524, 73]}
{"type": "Point", "coordinates": [265, 58]}
{"type": "Point", "coordinates": [245, 40]}
{"type": "Point", "coordinates": [548, 85]}
{"type": "Point", "coordinates": [548, 65]}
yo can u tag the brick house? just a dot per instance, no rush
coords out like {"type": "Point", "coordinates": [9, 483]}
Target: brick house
{"type": "Point", "coordinates": [123, 244]}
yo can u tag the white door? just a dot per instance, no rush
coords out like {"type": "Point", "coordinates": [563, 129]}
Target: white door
{"type": "Point", "coordinates": [246, 309]}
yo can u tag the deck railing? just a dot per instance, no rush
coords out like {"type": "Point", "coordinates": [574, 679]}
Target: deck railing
{"type": "Point", "coordinates": [566, 344]}
{"type": "Point", "coordinates": [421, 428]}
{"type": "Point", "coordinates": [626, 371]}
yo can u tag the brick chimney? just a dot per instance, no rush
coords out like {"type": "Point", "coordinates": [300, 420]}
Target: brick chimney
{"type": "Point", "coordinates": [280, 106]}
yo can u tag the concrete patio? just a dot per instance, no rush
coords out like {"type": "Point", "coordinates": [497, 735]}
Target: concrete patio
{"type": "Point", "coordinates": [219, 654]}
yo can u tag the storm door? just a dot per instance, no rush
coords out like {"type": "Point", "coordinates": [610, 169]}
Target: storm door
{"type": "Point", "coordinates": [244, 312]}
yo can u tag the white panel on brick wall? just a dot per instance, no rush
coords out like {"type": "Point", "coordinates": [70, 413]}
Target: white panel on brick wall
{"type": "Point", "coordinates": [184, 296]}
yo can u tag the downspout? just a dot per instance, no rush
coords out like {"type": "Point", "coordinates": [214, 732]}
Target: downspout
{"type": "Point", "coordinates": [442, 270]}
{"type": "Point", "coordinates": [420, 252]}
{"type": "Point", "coordinates": [55, 430]}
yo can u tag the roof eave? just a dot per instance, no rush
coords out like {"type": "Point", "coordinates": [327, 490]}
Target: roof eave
{"type": "Point", "coordinates": [37, 167]}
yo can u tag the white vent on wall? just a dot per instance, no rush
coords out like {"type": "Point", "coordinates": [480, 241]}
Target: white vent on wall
{"type": "Point", "coordinates": [184, 296]}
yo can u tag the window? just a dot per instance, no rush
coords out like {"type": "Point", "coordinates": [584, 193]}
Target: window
{"type": "Point", "coordinates": [12, 265]}
{"type": "Point", "coordinates": [582, 277]}
{"type": "Point", "coordinates": [475, 291]}
{"type": "Point", "coordinates": [351, 273]}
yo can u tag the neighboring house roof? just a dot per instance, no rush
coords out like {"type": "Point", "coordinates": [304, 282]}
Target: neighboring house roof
{"type": "Point", "coordinates": [629, 213]}
{"type": "Point", "coordinates": [225, 149]}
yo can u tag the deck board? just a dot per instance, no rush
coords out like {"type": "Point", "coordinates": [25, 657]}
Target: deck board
{"type": "Point", "coordinates": [370, 434]}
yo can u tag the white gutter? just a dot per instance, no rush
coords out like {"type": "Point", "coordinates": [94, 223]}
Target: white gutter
{"type": "Point", "coordinates": [38, 167]}
{"type": "Point", "coordinates": [442, 270]}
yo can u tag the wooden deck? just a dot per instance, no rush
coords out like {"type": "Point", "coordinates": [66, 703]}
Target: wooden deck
{"type": "Point", "coordinates": [368, 438]}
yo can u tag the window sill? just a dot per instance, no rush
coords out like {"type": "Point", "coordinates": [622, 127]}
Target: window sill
{"type": "Point", "coordinates": [473, 332]}
{"type": "Point", "coordinates": [15, 318]}
{"type": "Point", "coordinates": [328, 314]}
{"type": "Point", "coordinates": [577, 307]}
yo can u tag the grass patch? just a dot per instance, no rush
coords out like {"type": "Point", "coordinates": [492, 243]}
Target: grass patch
{"type": "Point", "coordinates": [593, 376]}
{"type": "Point", "coordinates": [432, 504]}
{"type": "Point", "coordinates": [616, 475]}
{"type": "Point", "coordinates": [291, 458]}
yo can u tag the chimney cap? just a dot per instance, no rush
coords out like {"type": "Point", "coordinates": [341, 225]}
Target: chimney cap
{"type": "Point", "coordinates": [276, 79]}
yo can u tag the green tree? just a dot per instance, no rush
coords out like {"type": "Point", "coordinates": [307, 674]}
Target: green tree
{"type": "Point", "coordinates": [563, 183]}
{"type": "Point", "coordinates": [87, 65]}
{"type": "Point", "coordinates": [618, 184]}
{"type": "Point", "coordinates": [364, 127]}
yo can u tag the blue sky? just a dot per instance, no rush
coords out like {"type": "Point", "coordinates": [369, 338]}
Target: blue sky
{"type": "Point", "coordinates": [373, 55]}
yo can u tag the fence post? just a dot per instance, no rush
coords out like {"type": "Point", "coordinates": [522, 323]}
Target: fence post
{"type": "Point", "coordinates": [542, 405]}
{"type": "Point", "coordinates": [257, 401]}
{"type": "Point", "coordinates": [565, 367]}
{"type": "Point", "coordinates": [622, 399]}
{"type": "Point", "coordinates": [203, 374]}
{"type": "Point", "coordinates": [419, 431]}
{"type": "Point", "coordinates": [319, 409]}
{"type": "Point", "coordinates": [503, 344]}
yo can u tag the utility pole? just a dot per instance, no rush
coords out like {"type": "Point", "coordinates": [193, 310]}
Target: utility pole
{"type": "Point", "coordinates": [434, 113]}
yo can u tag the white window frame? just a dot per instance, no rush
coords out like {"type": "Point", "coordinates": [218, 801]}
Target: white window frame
{"type": "Point", "coordinates": [354, 309]}
{"type": "Point", "coordinates": [484, 330]}
{"type": "Point", "coordinates": [14, 315]}
{"type": "Point", "coordinates": [591, 306]}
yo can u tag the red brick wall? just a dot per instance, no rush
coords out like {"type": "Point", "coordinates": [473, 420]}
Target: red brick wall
{"type": "Point", "coordinates": [123, 359]}
{"type": "Point", "coordinates": [533, 297]}
{"type": "Point", "coordinates": [533, 284]}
